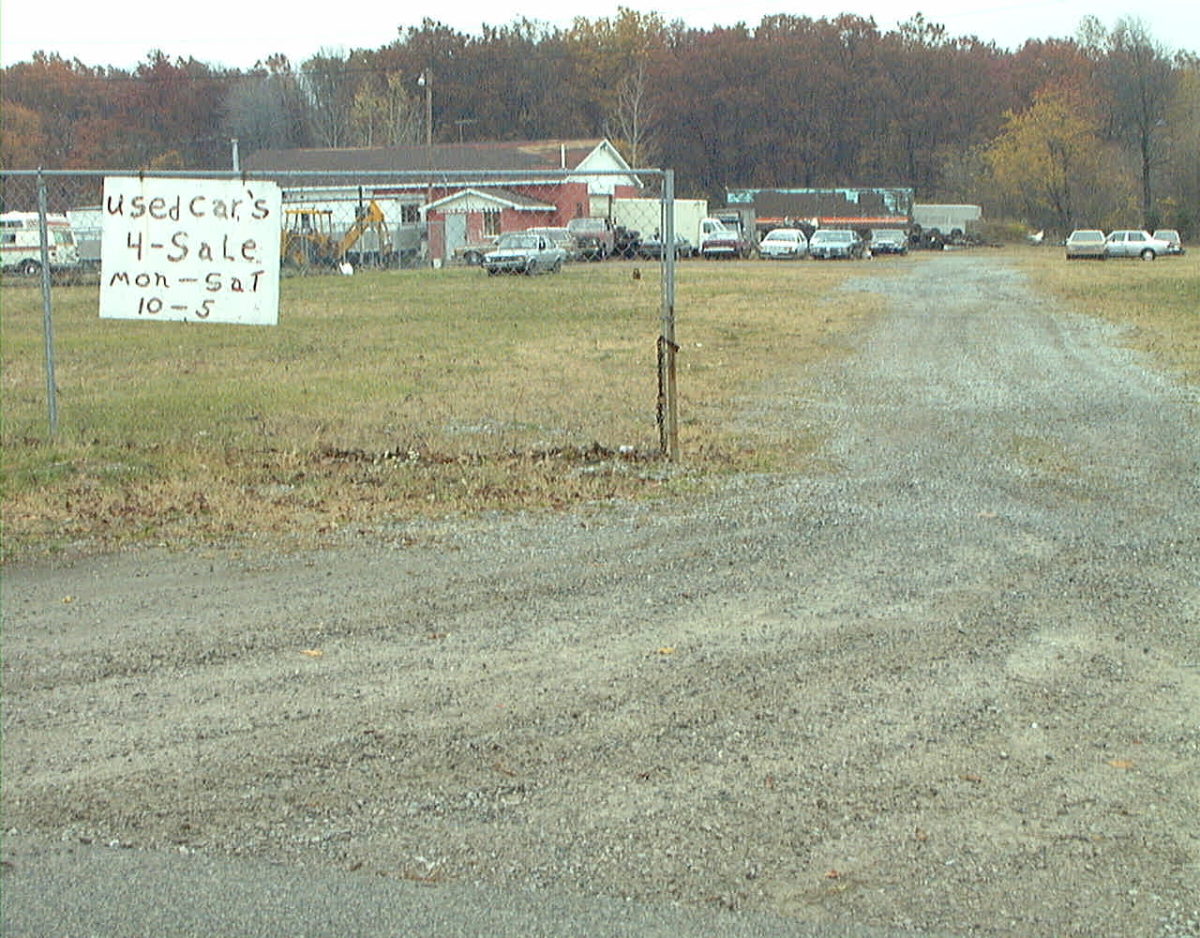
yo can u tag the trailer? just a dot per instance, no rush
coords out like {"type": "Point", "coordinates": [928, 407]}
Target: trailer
{"type": "Point", "coordinates": [950, 221]}
{"type": "Point", "coordinates": [859, 208]}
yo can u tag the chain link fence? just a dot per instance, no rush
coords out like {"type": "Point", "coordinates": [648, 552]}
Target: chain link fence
{"type": "Point", "coordinates": [332, 224]}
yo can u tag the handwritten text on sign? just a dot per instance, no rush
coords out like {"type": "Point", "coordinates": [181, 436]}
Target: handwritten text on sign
{"type": "Point", "coordinates": [199, 250]}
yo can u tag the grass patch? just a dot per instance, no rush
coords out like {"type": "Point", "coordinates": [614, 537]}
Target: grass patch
{"type": "Point", "coordinates": [1158, 302]}
{"type": "Point", "coordinates": [389, 396]}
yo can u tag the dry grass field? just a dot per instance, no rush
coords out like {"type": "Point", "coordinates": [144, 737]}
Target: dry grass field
{"type": "Point", "coordinates": [397, 395]}
{"type": "Point", "coordinates": [1158, 302]}
{"type": "Point", "coordinates": [394, 395]}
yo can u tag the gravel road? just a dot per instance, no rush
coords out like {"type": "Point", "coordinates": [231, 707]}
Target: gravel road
{"type": "Point", "coordinates": [949, 683]}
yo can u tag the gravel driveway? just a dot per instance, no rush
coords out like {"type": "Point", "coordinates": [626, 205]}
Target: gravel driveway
{"type": "Point", "coordinates": [948, 683]}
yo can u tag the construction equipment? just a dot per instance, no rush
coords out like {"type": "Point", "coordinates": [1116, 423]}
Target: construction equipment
{"type": "Point", "coordinates": [309, 241]}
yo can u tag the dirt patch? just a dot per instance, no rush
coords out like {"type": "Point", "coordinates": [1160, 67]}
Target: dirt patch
{"type": "Point", "coordinates": [950, 682]}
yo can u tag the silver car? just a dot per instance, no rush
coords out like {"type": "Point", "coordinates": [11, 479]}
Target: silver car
{"type": "Point", "coordinates": [1131, 242]}
{"type": "Point", "coordinates": [828, 243]}
{"type": "Point", "coordinates": [521, 252]}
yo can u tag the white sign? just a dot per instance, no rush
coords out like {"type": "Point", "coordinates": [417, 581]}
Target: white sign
{"type": "Point", "coordinates": [194, 250]}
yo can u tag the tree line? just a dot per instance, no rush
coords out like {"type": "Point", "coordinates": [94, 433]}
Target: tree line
{"type": "Point", "coordinates": [1100, 130]}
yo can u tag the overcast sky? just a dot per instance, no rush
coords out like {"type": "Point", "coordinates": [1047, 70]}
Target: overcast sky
{"type": "Point", "coordinates": [236, 33]}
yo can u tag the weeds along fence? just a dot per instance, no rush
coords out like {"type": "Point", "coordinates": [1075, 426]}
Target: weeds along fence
{"type": "Point", "coordinates": [362, 239]}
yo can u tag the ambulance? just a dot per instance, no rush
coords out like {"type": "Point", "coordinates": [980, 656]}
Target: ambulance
{"type": "Point", "coordinates": [21, 244]}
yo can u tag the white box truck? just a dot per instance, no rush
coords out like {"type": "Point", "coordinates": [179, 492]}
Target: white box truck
{"type": "Point", "coordinates": [645, 215]}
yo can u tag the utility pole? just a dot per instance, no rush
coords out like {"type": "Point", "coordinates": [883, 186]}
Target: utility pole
{"type": "Point", "coordinates": [426, 81]}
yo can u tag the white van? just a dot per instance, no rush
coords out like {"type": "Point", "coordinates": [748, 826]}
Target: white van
{"type": "Point", "coordinates": [21, 243]}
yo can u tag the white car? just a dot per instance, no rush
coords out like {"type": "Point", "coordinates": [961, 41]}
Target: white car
{"type": "Point", "coordinates": [783, 244]}
{"type": "Point", "coordinates": [888, 241]}
{"type": "Point", "coordinates": [1131, 242]}
{"type": "Point", "coordinates": [1171, 236]}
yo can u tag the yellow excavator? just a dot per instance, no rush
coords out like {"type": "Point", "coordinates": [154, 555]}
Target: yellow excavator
{"type": "Point", "coordinates": [308, 239]}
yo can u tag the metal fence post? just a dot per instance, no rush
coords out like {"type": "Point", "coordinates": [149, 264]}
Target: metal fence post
{"type": "Point", "coordinates": [47, 309]}
{"type": "Point", "coordinates": [668, 408]}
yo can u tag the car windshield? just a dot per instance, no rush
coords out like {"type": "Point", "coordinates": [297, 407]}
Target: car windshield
{"type": "Point", "coordinates": [831, 236]}
{"type": "Point", "coordinates": [1087, 236]}
{"type": "Point", "coordinates": [886, 236]}
{"type": "Point", "coordinates": [517, 241]}
{"type": "Point", "coordinates": [782, 234]}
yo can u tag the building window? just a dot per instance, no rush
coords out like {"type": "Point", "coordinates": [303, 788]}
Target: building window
{"type": "Point", "coordinates": [491, 223]}
{"type": "Point", "coordinates": [410, 214]}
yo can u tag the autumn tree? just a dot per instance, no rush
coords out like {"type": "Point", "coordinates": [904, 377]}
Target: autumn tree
{"type": "Point", "coordinates": [178, 106]}
{"type": "Point", "coordinates": [1182, 204]}
{"type": "Point", "coordinates": [69, 98]}
{"type": "Point", "coordinates": [603, 55]}
{"type": "Point", "coordinates": [1047, 161]}
{"type": "Point", "coordinates": [22, 140]}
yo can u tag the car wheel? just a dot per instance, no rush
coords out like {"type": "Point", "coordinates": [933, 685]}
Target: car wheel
{"type": "Point", "coordinates": [29, 267]}
{"type": "Point", "coordinates": [1148, 255]}
{"type": "Point", "coordinates": [472, 258]}
{"type": "Point", "coordinates": [557, 266]}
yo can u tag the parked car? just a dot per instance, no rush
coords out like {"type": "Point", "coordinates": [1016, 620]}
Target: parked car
{"type": "Point", "coordinates": [830, 243]}
{"type": "Point", "coordinates": [520, 252]}
{"type": "Point", "coordinates": [1171, 236]}
{"type": "Point", "coordinates": [626, 241]}
{"type": "Point", "coordinates": [783, 244]}
{"type": "Point", "coordinates": [595, 236]}
{"type": "Point", "coordinates": [1131, 242]}
{"type": "Point", "coordinates": [560, 236]}
{"type": "Point", "coordinates": [1086, 242]}
{"type": "Point", "coordinates": [472, 254]}
{"type": "Point", "coordinates": [888, 241]}
{"type": "Point", "coordinates": [718, 240]}
{"type": "Point", "coordinates": [652, 247]}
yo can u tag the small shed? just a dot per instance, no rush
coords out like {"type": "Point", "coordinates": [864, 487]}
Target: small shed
{"type": "Point", "coordinates": [476, 215]}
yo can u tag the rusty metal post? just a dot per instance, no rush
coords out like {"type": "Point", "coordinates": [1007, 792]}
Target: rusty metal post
{"type": "Point", "coordinates": [668, 407]}
{"type": "Point", "coordinates": [47, 308]}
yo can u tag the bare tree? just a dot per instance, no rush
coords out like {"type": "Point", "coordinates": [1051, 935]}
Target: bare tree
{"type": "Point", "coordinates": [384, 113]}
{"type": "Point", "coordinates": [632, 119]}
{"type": "Point", "coordinates": [329, 87]}
{"type": "Point", "coordinates": [1138, 76]}
{"type": "Point", "coordinates": [265, 111]}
